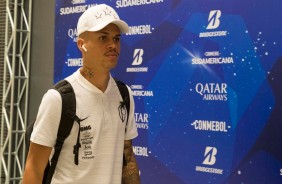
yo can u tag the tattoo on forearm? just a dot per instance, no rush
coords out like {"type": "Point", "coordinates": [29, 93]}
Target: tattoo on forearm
{"type": "Point", "coordinates": [130, 171]}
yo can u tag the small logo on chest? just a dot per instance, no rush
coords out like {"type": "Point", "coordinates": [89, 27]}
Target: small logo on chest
{"type": "Point", "coordinates": [85, 128]}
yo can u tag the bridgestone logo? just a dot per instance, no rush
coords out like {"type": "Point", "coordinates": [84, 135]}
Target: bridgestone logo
{"type": "Point", "coordinates": [213, 34]}
{"type": "Point", "coordinates": [141, 69]}
{"type": "Point", "coordinates": [209, 170]}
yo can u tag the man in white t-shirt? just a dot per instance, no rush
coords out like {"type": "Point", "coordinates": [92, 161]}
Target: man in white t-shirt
{"type": "Point", "coordinates": [102, 134]}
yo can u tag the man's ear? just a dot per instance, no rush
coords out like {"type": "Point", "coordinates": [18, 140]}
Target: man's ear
{"type": "Point", "coordinates": [80, 45]}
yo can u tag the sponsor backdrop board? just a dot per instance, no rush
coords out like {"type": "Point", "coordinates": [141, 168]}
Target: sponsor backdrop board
{"type": "Point", "coordinates": [206, 77]}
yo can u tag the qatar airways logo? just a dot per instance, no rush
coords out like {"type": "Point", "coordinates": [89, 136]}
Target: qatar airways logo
{"type": "Point", "coordinates": [213, 23]}
{"type": "Point", "coordinates": [72, 33]}
{"type": "Point", "coordinates": [212, 91]}
{"type": "Point", "coordinates": [137, 61]}
{"type": "Point", "coordinates": [142, 120]}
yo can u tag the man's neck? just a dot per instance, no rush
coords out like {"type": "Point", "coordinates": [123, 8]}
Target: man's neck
{"type": "Point", "coordinates": [98, 79]}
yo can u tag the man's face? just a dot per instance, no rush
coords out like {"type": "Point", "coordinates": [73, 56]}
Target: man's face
{"type": "Point", "coordinates": [103, 48]}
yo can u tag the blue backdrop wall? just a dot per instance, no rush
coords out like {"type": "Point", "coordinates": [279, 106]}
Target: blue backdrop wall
{"type": "Point", "coordinates": [206, 77]}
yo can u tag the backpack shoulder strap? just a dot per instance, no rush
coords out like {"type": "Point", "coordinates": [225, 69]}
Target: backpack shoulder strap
{"type": "Point", "coordinates": [67, 118]}
{"type": "Point", "coordinates": [68, 109]}
{"type": "Point", "coordinates": [125, 95]}
{"type": "Point", "coordinates": [126, 101]}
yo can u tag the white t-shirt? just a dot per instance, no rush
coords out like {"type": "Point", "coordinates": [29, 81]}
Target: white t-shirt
{"type": "Point", "coordinates": [102, 134]}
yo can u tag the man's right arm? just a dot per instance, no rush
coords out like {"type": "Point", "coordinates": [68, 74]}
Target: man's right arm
{"type": "Point", "coordinates": [36, 162]}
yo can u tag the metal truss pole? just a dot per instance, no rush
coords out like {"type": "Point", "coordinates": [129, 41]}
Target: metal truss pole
{"type": "Point", "coordinates": [15, 90]}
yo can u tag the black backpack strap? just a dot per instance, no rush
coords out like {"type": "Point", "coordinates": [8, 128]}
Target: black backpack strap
{"type": "Point", "coordinates": [126, 102]}
{"type": "Point", "coordinates": [77, 145]}
{"type": "Point", "coordinates": [66, 122]}
{"type": "Point", "coordinates": [125, 97]}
